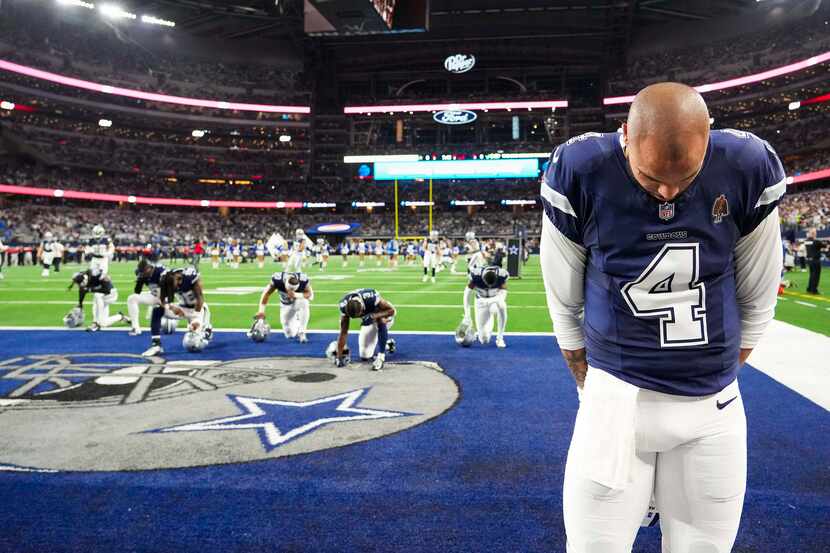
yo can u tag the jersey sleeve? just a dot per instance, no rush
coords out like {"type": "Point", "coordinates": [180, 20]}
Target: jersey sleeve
{"type": "Point", "coordinates": [767, 183]}
{"type": "Point", "coordinates": [560, 194]}
{"type": "Point", "coordinates": [275, 279]}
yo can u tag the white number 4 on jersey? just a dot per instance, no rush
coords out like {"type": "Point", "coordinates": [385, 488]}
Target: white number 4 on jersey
{"type": "Point", "coordinates": [669, 291]}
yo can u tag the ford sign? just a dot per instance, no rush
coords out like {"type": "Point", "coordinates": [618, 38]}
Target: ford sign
{"type": "Point", "coordinates": [455, 117]}
{"type": "Point", "coordinates": [459, 63]}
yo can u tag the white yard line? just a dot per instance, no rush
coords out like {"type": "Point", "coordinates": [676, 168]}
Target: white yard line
{"type": "Point", "coordinates": [803, 303]}
{"type": "Point", "coordinates": [797, 358]}
{"type": "Point", "coordinates": [249, 304]}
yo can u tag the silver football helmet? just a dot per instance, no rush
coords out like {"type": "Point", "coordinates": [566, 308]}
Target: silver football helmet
{"type": "Point", "coordinates": [168, 325]}
{"type": "Point", "coordinates": [471, 235]}
{"type": "Point", "coordinates": [434, 234]}
{"type": "Point", "coordinates": [97, 231]}
{"type": "Point", "coordinates": [260, 331]}
{"type": "Point", "coordinates": [74, 318]}
{"type": "Point", "coordinates": [194, 341]}
{"type": "Point", "coordinates": [464, 335]}
{"type": "Point", "coordinates": [331, 352]}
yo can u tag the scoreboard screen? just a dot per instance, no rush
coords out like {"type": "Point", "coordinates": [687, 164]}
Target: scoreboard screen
{"type": "Point", "coordinates": [457, 169]}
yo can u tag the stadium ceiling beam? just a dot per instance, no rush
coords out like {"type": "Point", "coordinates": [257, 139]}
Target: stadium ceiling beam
{"type": "Point", "coordinates": [673, 13]}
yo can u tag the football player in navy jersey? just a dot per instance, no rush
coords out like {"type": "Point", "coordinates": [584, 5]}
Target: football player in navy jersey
{"type": "Point", "coordinates": [295, 308]}
{"type": "Point", "coordinates": [146, 274]}
{"type": "Point", "coordinates": [377, 316]}
{"type": "Point", "coordinates": [104, 294]}
{"type": "Point", "coordinates": [489, 286]}
{"type": "Point", "coordinates": [661, 255]}
{"type": "Point", "coordinates": [186, 286]}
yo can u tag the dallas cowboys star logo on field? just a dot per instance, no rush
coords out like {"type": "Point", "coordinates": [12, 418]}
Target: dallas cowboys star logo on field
{"type": "Point", "coordinates": [278, 421]}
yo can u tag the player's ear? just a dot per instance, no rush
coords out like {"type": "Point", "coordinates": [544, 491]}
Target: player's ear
{"type": "Point", "coordinates": [625, 134]}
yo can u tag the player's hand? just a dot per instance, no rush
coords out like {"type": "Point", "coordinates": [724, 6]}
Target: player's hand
{"type": "Point", "coordinates": [194, 326]}
{"type": "Point", "coordinates": [177, 311]}
{"type": "Point", "coordinates": [291, 295]}
{"type": "Point", "coordinates": [340, 361]}
{"type": "Point", "coordinates": [259, 316]}
{"type": "Point", "coordinates": [467, 321]}
{"type": "Point", "coordinates": [744, 355]}
{"type": "Point", "coordinates": [577, 362]}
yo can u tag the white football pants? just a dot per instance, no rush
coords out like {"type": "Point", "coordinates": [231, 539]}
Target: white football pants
{"type": "Point", "coordinates": [101, 308]}
{"type": "Point", "coordinates": [133, 302]}
{"type": "Point", "coordinates": [431, 260]}
{"type": "Point", "coordinates": [294, 317]}
{"type": "Point", "coordinates": [689, 451]}
{"type": "Point", "coordinates": [489, 311]}
{"type": "Point", "coordinates": [190, 314]}
{"type": "Point", "coordinates": [368, 339]}
{"type": "Point", "coordinates": [295, 262]}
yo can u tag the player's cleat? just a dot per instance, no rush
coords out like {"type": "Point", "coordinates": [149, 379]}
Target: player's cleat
{"type": "Point", "coordinates": [391, 346]}
{"type": "Point", "coordinates": [124, 318]}
{"type": "Point", "coordinates": [134, 332]}
{"type": "Point", "coordinates": [2, 276]}
{"type": "Point", "coordinates": [433, 280]}
{"type": "Point", "coordinates": [377, 364]}
{"type": "Point", "coordinates": [303, 338]}
{"type": "Point", "coordinates": [208, 334]}
{"type": "Point", "coordinates": [424, 279]}
{"type": "Point", "coordinates": [153, 350]}
{"type": "Point", "coordinates": [44, 273]}
{"type": "Point", "coordinates": [500, 342]}
{"type": "Point", "coordinates": [94, 327]}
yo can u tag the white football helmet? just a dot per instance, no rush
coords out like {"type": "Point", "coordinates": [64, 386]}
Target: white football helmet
{"type": "Point", "coordinates": [331, 352]}
{"type": "Point", "coordinates": [48, 236]}
{"type": "Point", "coordinates": [471, 235]}
{"type": "Point", "coordinates": [464, 335]}
{"type": "Point", "coordinates": [74, 318]}
{"type": "Point", "coordinates": [299, 233]}
{"type": "Point", "coordinates": [260, 331]}
{"type": "Point", "coordinates": [194, 341]}
{"type": "Point", "coordinates": [434, 234]}
{"type": "Point", "coordinates": [97, 231]}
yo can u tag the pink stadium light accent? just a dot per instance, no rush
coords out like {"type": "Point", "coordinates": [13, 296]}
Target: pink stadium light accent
{"type": "Point", "coordinates": [118, 198]}
{"type": "Point", "coordinates": [456, 106]}
{"type": "Point", "coordinates": [816, 100]}
{"type": "Point", "coordinates": [731, 83]}
{"type": "Point", "coordinates": [150, 96]}
{"type": "Point", "coordinates": [814, 175]}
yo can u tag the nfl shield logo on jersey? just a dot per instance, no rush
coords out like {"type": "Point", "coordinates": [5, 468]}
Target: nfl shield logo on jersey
{"type": "Point", "coordinates": [666, 211]}
{"type": "Point", "coordinates": [720, 209]}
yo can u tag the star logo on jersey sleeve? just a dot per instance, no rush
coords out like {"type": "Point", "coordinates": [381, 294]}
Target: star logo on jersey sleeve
{"type": "Point", "coordinates": [278, 421]}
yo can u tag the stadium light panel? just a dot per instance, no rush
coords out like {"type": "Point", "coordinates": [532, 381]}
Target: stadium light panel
{"type": "Point", "coordinates": [79, 3]}
{"type": "Point", "coordinates": [794, 106]}
{"type": "Point", "coordinates": [106, 123]}
{"type": "Point", "coordinates": [197, 133]}
{"type": "Point", "coordinates": [152, 20]}
{"type": "Point", "coordinates": [285, 138]}
{"type": "Point", "coordinates": [740, 81]}
{"type": "Point", "coordinates": [115, 12]}
{"type": "Point", "coordinates": [472, 106]}
{"type": "Point", "coordinates": [150, 96]}
{"type": "Point", "coordinates": [6, 105]}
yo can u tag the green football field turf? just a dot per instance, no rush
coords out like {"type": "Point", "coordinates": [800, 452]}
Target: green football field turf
{"type": "Point", "coordinates": [27, 299]}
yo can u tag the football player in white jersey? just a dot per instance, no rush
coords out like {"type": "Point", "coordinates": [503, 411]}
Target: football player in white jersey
{"type": "Point", "coordinates": [46, 253]}
{"type": "Point", "coordinates": [432, 257]}
{"type": "Point", "coordinates": [276, 245]}
{"type": "Point", "coordinates": [489, 286]}
{"type": "Point", "coordinates": [3, 250]}
{"type": "Point", "coordinates": [296, 295]}
{"type": "Point", "coordinates": [100, 250]}
{"type": "Point", "coordinates": [302, 244]}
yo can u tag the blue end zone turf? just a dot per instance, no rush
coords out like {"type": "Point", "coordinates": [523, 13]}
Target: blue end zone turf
{"type": "Point", "coordinates": [486, 475]}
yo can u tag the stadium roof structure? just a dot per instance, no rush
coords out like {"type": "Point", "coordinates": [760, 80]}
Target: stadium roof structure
{"type": "Point", "coordinates": [228, 19]}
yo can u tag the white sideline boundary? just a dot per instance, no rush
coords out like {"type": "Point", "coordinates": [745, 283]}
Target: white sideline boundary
{"type": "Point", "coordinates": [237, 330]}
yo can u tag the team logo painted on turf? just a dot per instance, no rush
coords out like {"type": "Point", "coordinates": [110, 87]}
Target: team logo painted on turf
{"type": "Point", "coordinates": [720, 209]}
{"type": "Point", "coordinates": [115, 412]}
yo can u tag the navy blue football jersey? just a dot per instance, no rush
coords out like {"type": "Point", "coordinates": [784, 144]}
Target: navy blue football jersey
{"type": "Point", "coordinates": [481, 288]}
{"type": "Point", "coordinates": [660, 305]}
{"type": "Point", "coordinates": [371, 301]}
{"type": "Point", "coordinates": [153, 281]}
{"type": "Point", "coordinates": [185, 292]}
{"type": "Point", "coordinates": [279, 280]}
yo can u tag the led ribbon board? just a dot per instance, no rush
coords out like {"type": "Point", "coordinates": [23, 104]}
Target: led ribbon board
{"type": "Point", "coordinates": [459, 169]}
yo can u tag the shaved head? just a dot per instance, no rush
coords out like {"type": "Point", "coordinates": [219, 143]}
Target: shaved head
{"type": "Point", "coordinates": [666, 136]}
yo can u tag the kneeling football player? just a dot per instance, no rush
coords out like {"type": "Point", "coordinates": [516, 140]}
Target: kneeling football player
{"type": "Point", "coordinates": [148, 274]}
{"type": "Point", "coordinates": [93, 281]}
{"type": "Point", "coordinates": [489, 285]}
{"type": "Point", "coordinates": [295, 308]}
{"type": "Point", "coordinates": [187, 286]}
{"type": "Point", "coordinates": [377, 316]}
